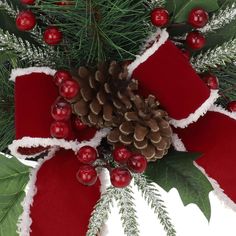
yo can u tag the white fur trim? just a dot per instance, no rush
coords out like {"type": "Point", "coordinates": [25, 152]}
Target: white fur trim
{"type": "Point", "coordinates": [219, 192]}
{"type": "Point", "coordinates": [201, 111]}
{"type": "Point", "coordinates": [25, 221]}
{"type": "Point", "coordinates": [104, 177]}
{"type": "Point", "coordinates": [150, 51]}
{"type": "Point", "coordinates": [216, 108]}
{"type": "Point", "coordinates": [29, 142]}
{"type": "Point", "coordinates": [27, 71]}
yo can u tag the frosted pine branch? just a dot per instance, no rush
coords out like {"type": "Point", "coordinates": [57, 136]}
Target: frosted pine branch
{"type": "Point", "coordinates": [158, 3]}
{"type": "Point", "coordinates": [127, 211]}
{"type": "Point", "coordinates": [220, 19]}
{"type": "Point", "coordinates": [152, 196]}
{"type": "Point", "coordinates": [101, 212]}
{"type": "Point", "coordinates": [8, 7]}
{"type": "Point", "coordinates": [219, 56]}
{"type": "Point", "coordinates": [25, 50]}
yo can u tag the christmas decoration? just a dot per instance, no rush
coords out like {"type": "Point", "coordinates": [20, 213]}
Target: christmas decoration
{"type": "Point", "coordinates": [104, 101]}
{"type": "Point", "coordinates": [25, 21]}
{"type": "Point", "coordinates": [198, 18]}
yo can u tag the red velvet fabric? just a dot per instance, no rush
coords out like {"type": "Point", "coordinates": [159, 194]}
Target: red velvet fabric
{"type": "Point", "coordinates": [62, 205]}
{"type": "Point", "coordinates": [215, 136]}
{"type": "Point", "coordinates": [168, 75]}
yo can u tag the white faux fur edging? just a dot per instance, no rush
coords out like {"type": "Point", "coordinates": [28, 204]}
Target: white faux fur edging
{"type": "Point", "coordinates": [25, 221]}
{"type": "Point", "coordinates": [150, 51]}
{"type": "Point", "coordinates": [219, 109]}
{"type": "Point", "coordinates": [201, 111]}
{"type": "Point", "coordinates": [27, 71]}
{"type": "Point", "coordinates": [29, 142]}
{"type": "Point", "coordinates": [219, 192]}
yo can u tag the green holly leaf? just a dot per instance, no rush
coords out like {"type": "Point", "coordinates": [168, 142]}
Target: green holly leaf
{"type": "Point", "coordinates": [181, 9]}
{"type": "Point", "coordinates": [13, 178]}
{"type": "Point", "coordinates": [176, 170]}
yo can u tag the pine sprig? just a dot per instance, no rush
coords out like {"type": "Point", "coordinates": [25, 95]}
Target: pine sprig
{"type": "Point", "coordinates": [127, 211]}
{"type": "Point", "coordinates": [152, 196]}
{"type": "Point", "coordinates": [101, 211]}
{"type": "Point", "coordinates": [220, 19]}
{"type": "Point", "coordinates": [212, 58]}
{"type": "Point", "coordinates": [25, 50]}
{"type": "Point", "coordinates": [9, 8]}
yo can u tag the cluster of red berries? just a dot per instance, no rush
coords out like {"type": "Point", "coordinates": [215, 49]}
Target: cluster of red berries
{"type": "Point", "coordinates": [26, 21]}
{"type": "Point", "coordinates": [61, 109]}
{"type": "Point", "coordinates": [120, 176]}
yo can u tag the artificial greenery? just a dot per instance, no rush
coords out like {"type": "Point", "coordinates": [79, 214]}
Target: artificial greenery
{"type": "Point", "coordinates": [177, 170]}
{"type": "Point", "coordinates": [13, 179]}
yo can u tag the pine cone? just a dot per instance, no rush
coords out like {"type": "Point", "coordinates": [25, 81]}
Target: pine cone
{"type": "Point", "coordinates": [104, 94]}
{"type": "Point", "coordinates": [145, 128]}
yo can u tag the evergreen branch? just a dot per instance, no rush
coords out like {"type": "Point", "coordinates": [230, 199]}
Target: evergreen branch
{"type": "Point", "coordinates": [9, 8]}
{"type": "Point", "coordinates": [127, 211]}
{"type": "Point", "coordinates": [25, 50]}
{"type": "Point", "coordinates": [212, 58]}
{"type": "Point", "coordinates": [152, 196]}
{"type": "Point", "coordinates": [158, 3]}
{"type": "Point", "coordinates": [220, 19]}
{"type": "Point", "coordinates": [101, 211]}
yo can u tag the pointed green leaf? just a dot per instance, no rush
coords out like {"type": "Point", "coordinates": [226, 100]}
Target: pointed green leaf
{"type": "Point", "coordinates": [177, 170]}
{"type": "Point", "coordinates": [13, 178]}
{"type": "Point", "coordinates": [181, 9]}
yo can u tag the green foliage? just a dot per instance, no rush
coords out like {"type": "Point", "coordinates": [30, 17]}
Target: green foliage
{"type": "Point", "coordinates": [13, 179]}
{"type": "Point", "coordinates": [177, 170]}
{"type": "Point", "coordinates": [181, 9]}
{"type": "Point", "coordinates": [99, 30]}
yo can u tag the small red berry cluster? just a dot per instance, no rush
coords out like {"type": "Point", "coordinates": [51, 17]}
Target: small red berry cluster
{"type": "Point", "coordinates": [61, 109]}
{"type": "Point", "coordinates": [120, 175]}
{"type": "Point", "coordinates": [26, 21]}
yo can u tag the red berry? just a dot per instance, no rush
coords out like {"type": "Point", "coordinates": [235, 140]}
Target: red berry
{"type": "Point", "coordinates": [232, 106]}
{"type": "Point", "coordinates": [120, 177]}
{"type": "Point", "coordinates": [25, 20]}
{"type": "Point", "coordinates": [69, 89]}
{"type": "Point", "coordinates": [195, 40]}
{"type": "Point", "coordinates": [121, 155]}
{"type": "Point", "coordinates": [79, 125]}
{"type": "Point", "coordinates": [137, 163]}
{"type": "Point", "coordinates": [52, 35]}
{"type": "Point", "coordinates": [28, 2]}
{"type": "Point", "coordinates": [62, 76]}
{"type": "Point", "coordinates": [87, 155]}
{"type": "Point", "coordinates": [159, 17]}
{"type": "Point", "coordinates": [59, 129]}
{"type": "Point", "coordinates": [87, 175]}
{"type": "Point", "coordinates": [65, 3]}
{"type": "Point", "coordinates": [61, 110]}
{"type": "Point", "coordinates": [198, 18]}
{"type": "Point", "coordinates": [211, 81]}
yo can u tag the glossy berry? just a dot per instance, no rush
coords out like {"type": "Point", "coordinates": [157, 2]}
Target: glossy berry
{"type": "Point", "coordinates": [28, 2]}
{"type": "Point", "coordinates": [198, 18]}
{"type": "Point", "coordinates": [79, 125]}
{"type": "Point", "coordinates": [121, 155]}
{"type": "Point", "coordinates": [87, 155]}
{"type": "Point", "coordinates": [59, 129]}
{"type": "Point", "coordinates": [52, 35]}
{"type": "Point", "coordinates": [69, 89]}
{"type": "Point", "coordinates": [211, 81]}
{"type": "Point", "coordinates": [87, 175]}
{"type": "Point", "coordinates": [61, 76]}
{"type": "Point", "coordinates": [61, 110]}
{"type": "Point", "coordinates": [159, 17]}
{"type": "Point", "coordinates": [232, 106]}
{"type": "Point", "coordinates": [25, 21]}
{"type": "Point", "coordinates": [137, 163]}
{"type": "Point", "coordinates": [120, 177]}
{"type": "Point", "coordinates": [195, 40]}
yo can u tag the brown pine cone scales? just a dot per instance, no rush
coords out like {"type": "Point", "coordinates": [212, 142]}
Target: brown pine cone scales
{"type": "Point", "coordinates": [145, 128]}
{"type": "Point", "coordinates": [104, 94]}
